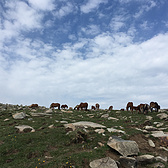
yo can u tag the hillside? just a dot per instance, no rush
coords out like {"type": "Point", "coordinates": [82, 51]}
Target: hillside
{"type": "Point", "coordinates": [41, 137]}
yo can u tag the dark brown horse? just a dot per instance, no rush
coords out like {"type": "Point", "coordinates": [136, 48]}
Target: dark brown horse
{"type": "Point", "coordinates": [33, 106]}
{"type": "Point", "coordinates": [82, 106]}
{"type": "Point", "coordinates": [64, 106]}
{"type": "Point", "coordinates": [93, 108]}
{"type": "Point", "coordinates": [155, 106]}
{"type": "Point", "coordinates": [97, 106]}
{"type": "Point", "coordinates": [143, 108]}
{"type": "Point", "coordinates": [53, 105]}
{"type": "Point", "coordinates": [129, 106]}
{"type": "Point", "coordinates": [111, 108]}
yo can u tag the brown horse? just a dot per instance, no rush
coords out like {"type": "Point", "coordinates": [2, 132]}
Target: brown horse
{"type": "Point", "coordinates": [64, 106]}
{"type": "Point", "coordinates": [111, 108]}
{"type": "Point", "coordinates": [75, 108]}
{"type": "Point", "coordinates": [82, 106]}
{"type": "Point", "coordinates": [143, 108]}
{"type": "Point", "coordinates": [136, 108]}
{"type": "Point", "coordinates": [93, 108]}
{"type": "Point", "coordinates": [129, 106]}
{"type": "Point", "coordinates": [155, 106]}
{"type": "Point", "coordinates": [33, 106]}
{"type": "Point", "coordinates": [53, 105]}
{"type": "Point", "coordinates": [97, 106]}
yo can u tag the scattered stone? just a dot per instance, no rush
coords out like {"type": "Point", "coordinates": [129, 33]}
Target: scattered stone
{"type": "Point", "coordinates": [151, 143]}
{"type": "Point", "coordinates": [19, 116]}
{"type": "Point", "coordinates": [124, 147]}
{"type": "Point", "coordinates": [161, 159]}
{"type": "Point", "coordinates": [70, 126]}
{"type": "Point", "coordinates": [103, 163]}
{"type": "Point", "coordinates": [115, 130]}
{"type": "Point", "coordinates": [51, 126]}
{"type": "Point", "coordinates": [150, 128]}
{"type": "Point", "coordinates": [159, 125]}
{"type": "Point", "coordinates": [100, 144]}
{"type": "Point", "coordinates": [25, 128]}
{"type": "Point", "coordinates": [112, 118]}
{"type": "Point", "coordinates": [40, 114]}
{"type": "Point", "coordinates": [87, 124]}
{"type": "Point", "coordinates": [149, 117]}
{"type": "Point", "coordinates": [105, 116]}
{"type": "Point", "coordinates": [158, 165]}
{"type": "Point", "coordinates": [127, 162]}
{"type": "Point", "coordinates": [100, 131]}
{"type": "Point", "coordinates": [7, 119]}
{"type": "Point", "coordinates": [63, 122]}
{"type": "Point", "coordinates": [159, 134]}
{"type": "Point", "coordinates": [49, 111]}
{"type": "Point", "coordinates": [163, 116]}
{"type": "Point", "coordinates": [145, 159]}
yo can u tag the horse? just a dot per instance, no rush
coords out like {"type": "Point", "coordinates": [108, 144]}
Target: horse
{"type": "Point", "coordinates": [111, 108]}
{"type": "Point", "coordinates": [129, 106]}
{"type": "Point", "coordinates": [53, 105]}
{"type": "Point", "coordinates": [155, 106]}
{"type": "Point", "coordinates": [93, 108]}
{"type": "Point", "coordinates": [136, 108]}
{"type": "Point", "coordinates": [75, 108]}
{"type": "Point", "coordinates": [143, 108]}
{"type": "Point", "coordinates": [97, 106]}
{"type": "Point", "coordinates": [82, 106]}
{"type": "Point", "coordinates": [33, 106]}
{"type": "Point", "coordinates": [64, 106]}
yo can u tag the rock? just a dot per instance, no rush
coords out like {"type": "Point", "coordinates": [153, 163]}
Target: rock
{"type": "Point", "coordinates": [19, 116]}
{"type": "Point", "coordinates": [124, 147]}
{"type": "Point", "coordinates": [112, 118]}
{"type": "Point", "coordinates": [63, 122]}
{"type": "Point", "coordinates": [149, 117]}
{"type": "Point", "coordinates": [127, 162]}
{"type": "Point", "coordinates": [49, 111]}
{"type": "Point", "coordinates": [115, 130]}
{"type": "Point", "coordinates": [105, 116]}
{"type": "Point", "coordinates": [87, 124]}
{"type": "Point", "coordinates": [103, 163]}
{"type": "Point", "coordinates": [161, 159]}
{"type": "Point", "coordinates": [158, 165]}
{"type": "Point", "coordinates": [159, 134]}
{"type": "Point", "coordinates": [100, 131]}
{"type": "Point", "coordinates": [151, 143]}
{"type": "Point", "coordinates": [23, 128]}
{"type": "Point", "coordinates": [162, 116]}
{"type": "Point", "coordinates": [159, 125]}
{"type": "Point", "coordinates": [70, 126]}
{"type": "Point", "coordinates": [51, 126]}
{"type": "Point", "coordinates": [100, 144]}
{"type": "Point", "coordinates": [7, 119]}
{"type": "Point", "coordinates": [39, 114]}
{"type": "Point", "coordinates": [145, 159]}
{"type": "Point", "coordinates": [150, 128]}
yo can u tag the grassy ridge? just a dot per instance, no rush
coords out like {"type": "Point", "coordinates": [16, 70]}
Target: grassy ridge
{"type": "Point", "coordinates": [52, 147]}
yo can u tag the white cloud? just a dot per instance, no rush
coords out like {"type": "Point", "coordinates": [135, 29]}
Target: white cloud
{"type": "Point", "coordinates": [91, 29]}
{"type": "Point", "coordinates": [91, 5]}
{"type": "Point", "coordinates": [47, 5]}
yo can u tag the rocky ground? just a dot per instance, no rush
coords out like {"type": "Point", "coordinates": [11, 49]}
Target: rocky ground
{"type": "Point", "coordinates": [70, 138]}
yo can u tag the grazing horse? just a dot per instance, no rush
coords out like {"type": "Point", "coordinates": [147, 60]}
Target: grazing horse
{"type": "Point", "coordinates": [97, 106]}
{"type": "Point", "coordinates": [64, 106]}
{"type": "Point", "coordinates": [82, 106]}
{"type": "Point", "coordinates": [129, 106]}
{"type": "Point", "coordinates": [93, 108]}
{"type": "Point", "coordinates": [111, 108]}
{"type": "Point", "coordinates": [122, 109]}
{"type": "Point", "coordinates": [53, 105]}
{"type": "Point", "coordinates": [33, 106]}
{"type": "Point", "coordinates": [143, 108]}
{"type": "Point", "coordinates": [136, 108]}
{"type": "Point", "coordinates": [155, 106]}
{"type": "Point", "coordinates": [75, 108]}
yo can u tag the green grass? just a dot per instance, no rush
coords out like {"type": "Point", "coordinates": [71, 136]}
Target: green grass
{"type": "Point", "coordinates": [31, 149]}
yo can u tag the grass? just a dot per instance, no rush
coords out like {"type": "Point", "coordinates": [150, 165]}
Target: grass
{"type": "Point", "coordinates": [53, 148]}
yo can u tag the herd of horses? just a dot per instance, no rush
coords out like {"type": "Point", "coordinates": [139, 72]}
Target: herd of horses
{"type": "Point", "coordinates": [142, 108]}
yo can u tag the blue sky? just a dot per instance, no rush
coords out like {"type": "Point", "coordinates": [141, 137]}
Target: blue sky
{"type": "Point", "coordinates": [99, 51]}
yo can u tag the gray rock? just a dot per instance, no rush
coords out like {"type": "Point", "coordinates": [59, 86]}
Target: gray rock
{"type": "Point", "coordinates": [161, 159]}
{"type": "Point", "coordinates": [151, 143]}
{"type": "Point", "coordinates": [39, 114]}
{"type": "Point", "coordinates": [115, 130]}
{"type": "Point", "coordinates": [103, 163]}
{"type": "Point", "coordinates": [105, 116]}
{"type": "Point", "coordinates": [19, 116]}
{"type": "Point", "coordinates": [87, 124]}
{"type": "Point", "coordinates": [24, 127]}
{"type": "Point", "coordinates": [162, 116]}
{"type": "Point", "coordinates": [145, 159]}
{"type": "Point", "coordinates": [159, 134]}
{"type": "Point", "coordinates": [128, 162]}
{"type": "Point", "coordinates": [124, 147]}
{"type": "Point", "coordinates": [158, 165]}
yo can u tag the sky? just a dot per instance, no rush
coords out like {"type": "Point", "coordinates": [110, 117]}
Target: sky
{"type": "Point", "coordinates": [97, 51]}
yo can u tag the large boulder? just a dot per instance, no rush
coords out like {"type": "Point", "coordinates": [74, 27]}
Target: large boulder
{"type": "Point", "coordinates": [127, 162]}
{"type": "Point", "coordinates": [124, 147]}
{"type": "Point", "coordinates": [103, 163]}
